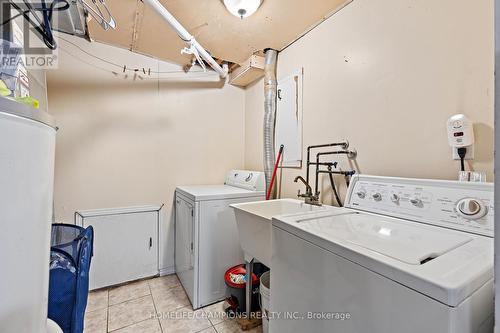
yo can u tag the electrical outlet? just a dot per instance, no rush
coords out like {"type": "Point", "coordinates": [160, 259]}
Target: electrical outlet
{"type": "Point", "coordinates": [468, 156]}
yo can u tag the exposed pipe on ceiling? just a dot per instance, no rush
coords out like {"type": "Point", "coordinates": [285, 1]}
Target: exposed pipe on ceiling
{"type": "Point", "coordinates": [270, 95]}
{"type": "Point", "coordinates": [187, 37]}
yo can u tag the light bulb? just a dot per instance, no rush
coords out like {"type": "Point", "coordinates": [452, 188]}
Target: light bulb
{"type": "Point", "coordinates": [242, 8]}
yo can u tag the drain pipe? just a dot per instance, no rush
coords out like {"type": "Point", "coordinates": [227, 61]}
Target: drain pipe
{"type": "Point", "coordinates": [187, 37]}
{"type": "Point", "coordinates": [270, 93]}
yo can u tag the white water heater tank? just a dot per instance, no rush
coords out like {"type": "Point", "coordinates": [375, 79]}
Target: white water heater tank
{"type": "Point", "coordinates": [27, 148]}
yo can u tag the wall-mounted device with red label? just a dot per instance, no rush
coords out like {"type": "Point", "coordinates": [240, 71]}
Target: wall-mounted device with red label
{"type": "Point", "coordinates": [461, 138]}
{"type": "Point", "coordinates": [460, 131]}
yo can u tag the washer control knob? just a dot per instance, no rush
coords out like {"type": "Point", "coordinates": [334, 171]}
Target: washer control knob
{"type": "Point", "coordinates": [377, 196]}
{"type": "Point", "coordinates": [416, 202]}
{"type": "Point", "coordinates": [471, 209]}
{"type": "Point", "coordinates": [361, 194]}
{"type": "Point", "coordinates": [395, 198]}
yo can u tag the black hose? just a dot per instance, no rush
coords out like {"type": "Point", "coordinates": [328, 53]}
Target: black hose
{"type": "Point", "coordinates": [48, 38]}
{"type": "Point", "coordinates": [44, 29]}
{"type": "Point", "coordinates": [54, 7]}
{"type": "Point", "coordinates": [334, 188]}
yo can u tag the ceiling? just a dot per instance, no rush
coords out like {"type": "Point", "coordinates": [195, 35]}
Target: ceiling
{"type": "Point", "coordinates": [276, 24]}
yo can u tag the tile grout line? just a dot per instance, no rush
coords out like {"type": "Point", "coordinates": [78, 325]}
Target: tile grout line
{"type": "Point", "coordinates": [130, 325]}
{"type": "Point", "coordinates": [108, 307]}
{"type": "Point", "coordinates": [154, 305]}
{"type": "Point", "coordinates": [131, 299]}
{"type": "Point", "coordinates": [210, 321]}
{"type": "Point", "coordinates": [184, 307]}
{"type": "Point", "coordinates": [207, 314]}
{"type": "Point", "coordinates": [135, 299]}
{"type": "Point", "coordinates": [107, 314]}
{"type": "Point", "coordinates": [111, 288]}
{"type": "Point", "coordinates": [103, 308]}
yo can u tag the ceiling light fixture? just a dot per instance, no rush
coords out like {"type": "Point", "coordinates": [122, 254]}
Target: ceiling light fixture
{"type": "Point", "coordinates": [242, 8]}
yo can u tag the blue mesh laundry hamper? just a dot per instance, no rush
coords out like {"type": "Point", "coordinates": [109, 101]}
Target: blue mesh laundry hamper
{"type": "Point", "coordinates": [70, 255]}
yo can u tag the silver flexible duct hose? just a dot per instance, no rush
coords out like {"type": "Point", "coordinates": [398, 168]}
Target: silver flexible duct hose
{"type": "Point", "coordinates": [270, 93]}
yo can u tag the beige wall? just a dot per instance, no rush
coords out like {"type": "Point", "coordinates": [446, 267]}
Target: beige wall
{"type": "Point", "coordinates": [386, 75]}
{"type": "Point", "coordinates": [123, 143]}
{"type": "Point", "coordinates": [38, 87]}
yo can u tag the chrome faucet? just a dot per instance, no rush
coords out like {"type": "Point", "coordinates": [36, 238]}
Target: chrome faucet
{"type": "Point", "coordinates": [341, 148]}
{"type": "Point", "coordinates": [308, 196]}
{"type": "Point", "coordinates": [308, 187]}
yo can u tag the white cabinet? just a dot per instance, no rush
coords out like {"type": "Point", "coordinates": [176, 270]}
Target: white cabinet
{"type": "Point", "coordinates": [125, 244]}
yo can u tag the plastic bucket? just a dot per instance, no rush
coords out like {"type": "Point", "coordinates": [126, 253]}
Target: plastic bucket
{"type": "Point", "coordinates": [265, 295]}
{"type": "Point", "coordinates": [237, 292]}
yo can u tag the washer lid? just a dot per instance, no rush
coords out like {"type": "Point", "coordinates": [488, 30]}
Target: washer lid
{"type": "Point", "coordinates": [216, 192]}
{"type": "Point", "coordinates": [443, 264]}
{"type": "Point", "coordinates": [407, 243]}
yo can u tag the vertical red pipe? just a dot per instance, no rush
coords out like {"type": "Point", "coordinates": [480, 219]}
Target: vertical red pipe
{"type": "Point", "coordinates": [270, 190]}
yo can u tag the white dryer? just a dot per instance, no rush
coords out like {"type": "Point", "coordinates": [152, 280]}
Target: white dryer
{"type": "Point", "coordinates": [406, 255]}
{"type": "Point", "coordinates": [206, 237]}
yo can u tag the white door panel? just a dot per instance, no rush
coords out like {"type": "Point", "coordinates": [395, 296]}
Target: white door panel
{"type": "Point", "coordinates": [288, 130]}
{"type": "Point", "coordinates": [220, 248]}
{"type": "Point", "coordinates": [184, 244]}
{"type": "Point", "coordinates": [125, 248]}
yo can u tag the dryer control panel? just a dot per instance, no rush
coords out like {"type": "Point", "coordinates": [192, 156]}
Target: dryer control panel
{"type": "Point", "coordinates": [249, 180]}
{"type": "Point", "coordinates": [457, 205]}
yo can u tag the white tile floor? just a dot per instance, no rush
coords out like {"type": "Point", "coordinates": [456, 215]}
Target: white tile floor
{"type": "Point", "coordinates": [153, 306]}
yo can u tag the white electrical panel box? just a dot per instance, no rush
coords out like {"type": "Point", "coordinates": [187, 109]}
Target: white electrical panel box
{"type": "Point", "coordinates": [288, 130]}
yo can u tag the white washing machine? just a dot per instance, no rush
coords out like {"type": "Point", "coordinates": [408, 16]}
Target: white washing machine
{"type": "Point", "coordinates": [406, 255]}
{"type": "Point", "coordinates": [206, 237]}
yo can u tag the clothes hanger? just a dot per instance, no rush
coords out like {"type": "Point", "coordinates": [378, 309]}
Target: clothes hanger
{"type": "Point", "coordinates": [96, 13]}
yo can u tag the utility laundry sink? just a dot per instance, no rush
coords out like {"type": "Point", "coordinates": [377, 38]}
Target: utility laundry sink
{"type": "Point", "coordinates": [254, 221]}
